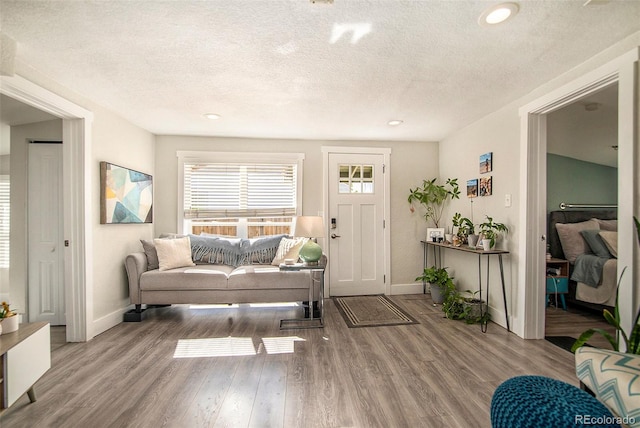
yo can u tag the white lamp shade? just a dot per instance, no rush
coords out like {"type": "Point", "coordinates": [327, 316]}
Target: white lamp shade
{"type": "Point", "coordinates": [308, 226]}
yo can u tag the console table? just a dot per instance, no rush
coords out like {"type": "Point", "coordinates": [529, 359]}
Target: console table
{"type": "Point", "coordinates": [437, 261]}
{"type": "Point", "coordinates": [25, 355]}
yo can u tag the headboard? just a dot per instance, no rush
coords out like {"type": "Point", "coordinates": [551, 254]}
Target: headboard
{"type": "Point", "coordinates": [555, 248]}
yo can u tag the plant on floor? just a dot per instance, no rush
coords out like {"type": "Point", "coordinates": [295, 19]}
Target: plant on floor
{"type": "Point", "coordinates": [432, 197]}
{"type": "Point", "coordinates": [440, 282]}
{"type": "Point", "coordinates": [458, 306]}
{"type": "Point", "coordinates": [491, 230]}
{"type": "Point", "coordinates": [631, 341]}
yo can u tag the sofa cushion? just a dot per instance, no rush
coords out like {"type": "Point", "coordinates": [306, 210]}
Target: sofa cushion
{"type": "Point", "coordinates": [173, 253]}
{"type": "Point", "coordinates": [266, 276]}
{"type": "Point", "coordinates": [202, 277]}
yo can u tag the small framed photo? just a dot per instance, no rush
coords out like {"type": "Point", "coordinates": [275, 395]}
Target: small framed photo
{"type": "Point", "coordinates": [435, 234]}
{"type": "Point", "coordinates": [485, 186]}
{"type": "Point", "coordinates": [472, 188]}
{"type": "Point", "coordinates": [486, 162]}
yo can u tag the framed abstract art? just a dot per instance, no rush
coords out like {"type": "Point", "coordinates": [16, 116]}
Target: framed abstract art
{"type": "Point", "coordinates": [126, 196]}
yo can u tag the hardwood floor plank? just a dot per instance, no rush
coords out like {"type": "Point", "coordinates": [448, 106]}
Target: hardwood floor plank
{"type": "Point", "coordinates": [438, 373]}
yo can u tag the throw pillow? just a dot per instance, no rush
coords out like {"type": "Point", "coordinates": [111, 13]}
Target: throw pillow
{"type": "Point", "coordinates": [596, 243]}
{"type": "Point", "coordinates": [261, 250]}
{"type": "Point", "coordinates": [151, 253]}
{"type": "Point", "coordinates": [609, 225]}
{"type": "Point", "coordinates": [289, 248]}
{"type": "Point", "coordinates": [573, 244]}
{"type": "Point", "coordinates": [173, 253]}
{"type": "Point", "coordinates": [611, 241]}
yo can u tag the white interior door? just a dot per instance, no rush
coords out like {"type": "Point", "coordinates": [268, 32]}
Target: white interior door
{"type": "Point", "coordinates": [45, 231]}
{"type": "Point", "coordinates": [356, 194]}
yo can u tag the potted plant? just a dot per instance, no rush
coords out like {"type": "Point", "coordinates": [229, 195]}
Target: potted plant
{"type": "Point", "coordinates": [490, 231]}
{"type": "Point", "coordinates": [8, 319]}
{"type": "Point", "coordinates": [466, 229]}
{"type": "Point", "coordinates": [440, 283]}
{"type": "Point", "coordinates": [433, 197]}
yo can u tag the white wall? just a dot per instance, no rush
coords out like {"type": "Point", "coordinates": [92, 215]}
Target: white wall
{"type": "Point", "coordinates": [499, 133]}
{"type": "Point", "coordinates": [411, 162]}
{"type": "Point", "coordinates": [115, 140]}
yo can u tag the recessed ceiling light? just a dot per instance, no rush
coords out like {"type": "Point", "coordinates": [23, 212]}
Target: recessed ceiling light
{"type": "Point", "coordinates": [498, 14]}
{"type": "Point", "coordinates": [394, 122]}
{"type": "Point", "coordinates": [212, 116]}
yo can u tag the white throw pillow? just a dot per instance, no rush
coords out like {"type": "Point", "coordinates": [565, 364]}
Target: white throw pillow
{"type": "Point", "coordinates": [173, 253]}
{"type": "Point", "coordinates": [289, 248]}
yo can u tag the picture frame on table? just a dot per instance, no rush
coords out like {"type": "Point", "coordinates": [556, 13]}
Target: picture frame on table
{"type": "Point", "coordinates": [435, 234]}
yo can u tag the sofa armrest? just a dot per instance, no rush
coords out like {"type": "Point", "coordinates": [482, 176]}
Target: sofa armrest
{"type": "Point", "coordinates": [136, 265]}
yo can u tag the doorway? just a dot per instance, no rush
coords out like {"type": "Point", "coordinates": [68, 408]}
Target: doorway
{"type": "Point", "coordinates": [582, 184]}
{"type": "Point", "coordinates": [531, 300]}
{"type": "Point", "coordinates": [357, 207]}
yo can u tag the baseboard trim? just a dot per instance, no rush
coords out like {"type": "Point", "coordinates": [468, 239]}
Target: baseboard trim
{"type": "Point", "coordinates": [109, 321]}
{"type": "Point", "coordinates": [406, 289]}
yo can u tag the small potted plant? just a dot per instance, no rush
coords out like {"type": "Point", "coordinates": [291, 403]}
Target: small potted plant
{"type": "Point", "coordinates": [440, 283]}
{"type": "Point", "coordinates": [490, 231]}
{"type": "Point", "coordinates": [8, 319]}
{"type": "Point", "coordinates": [466, 229]}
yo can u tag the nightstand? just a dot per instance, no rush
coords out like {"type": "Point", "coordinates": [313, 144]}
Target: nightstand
{"type": "Point", "coordinates": [557, 279]}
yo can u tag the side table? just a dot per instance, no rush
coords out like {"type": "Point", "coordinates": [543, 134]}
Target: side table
{"type": "Point", "coordinates": [311, 322]}
{"type": "Point", "coordinates": [557, 281]}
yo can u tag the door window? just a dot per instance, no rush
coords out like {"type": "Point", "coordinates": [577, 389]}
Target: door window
{"type": "Point", "coordinates": [356, 179]}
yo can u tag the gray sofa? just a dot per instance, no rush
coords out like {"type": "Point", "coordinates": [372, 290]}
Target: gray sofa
{"type": "Point", "coordinates": [207, 283]}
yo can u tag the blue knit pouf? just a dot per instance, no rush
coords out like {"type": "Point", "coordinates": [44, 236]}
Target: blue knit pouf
{"type": "Point", "coordinates": [541, 402]}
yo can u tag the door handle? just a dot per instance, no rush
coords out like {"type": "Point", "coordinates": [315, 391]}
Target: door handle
{"type": "Point", "coordinates": [334, 236]}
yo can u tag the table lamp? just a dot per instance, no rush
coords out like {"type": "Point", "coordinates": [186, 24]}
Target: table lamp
{"type": "Point", "coordinates": [309, 227]}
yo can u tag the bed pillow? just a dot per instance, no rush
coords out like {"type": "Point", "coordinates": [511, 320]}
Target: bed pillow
{"type": "Point", "coordinates": [573, 244]}
{"type": "Point", "coordinates": [596, 243]}
{"type": "Point", "coordinates": [289, 248]}
{"type": "Point", "coordinates": [173, 253]}
{"type": "Point", "coordinates": [609, 225]}
{"type": "Point", "coordinates": [611, 241]}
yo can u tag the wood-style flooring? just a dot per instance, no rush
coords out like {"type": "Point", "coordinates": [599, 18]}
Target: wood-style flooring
{"type": "Point", "coordinates": [439, 373]}
{"type": "Point", "coordinates": [573, 322]}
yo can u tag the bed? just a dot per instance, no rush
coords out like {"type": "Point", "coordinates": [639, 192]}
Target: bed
{"type": "Point", "coordinates": [588, 240]}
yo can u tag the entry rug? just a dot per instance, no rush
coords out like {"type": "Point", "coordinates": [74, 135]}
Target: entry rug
{"type": "Point", "coordinates": [371, 311]}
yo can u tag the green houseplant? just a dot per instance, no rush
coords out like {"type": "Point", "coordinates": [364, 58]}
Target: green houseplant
{"type": "Point", "coordinates": [432, 197]}
{"type": "Point", "coordinates": [464, 225]}
{"type": "Point", "coordinates": [632, 340]}
{"type": "Point", "coordinates": [490, 231]}
{"type": "Point", "coordinates": [439, 281]}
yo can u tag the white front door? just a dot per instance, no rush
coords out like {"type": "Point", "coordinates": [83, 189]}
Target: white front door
{"type": "Point", "coordinates": [45, 225]}
{"type": "Point", "coordinates": [356, 198]}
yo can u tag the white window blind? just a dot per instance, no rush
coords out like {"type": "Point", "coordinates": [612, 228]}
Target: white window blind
{"type": "Point", "coordinates": [4, 221]}
{"type": "Point", "coordinates": [233, 190]}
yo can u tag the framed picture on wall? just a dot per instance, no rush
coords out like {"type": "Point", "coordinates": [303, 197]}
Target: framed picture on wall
{"type": "Point", "coordinates": [485, 186]}
{"type": "Point", "coordinates": [486, 162]}
{"type": "Point", "coordinates": [126, 196]}
{"type": "Point", "coordinates": [472, 188]}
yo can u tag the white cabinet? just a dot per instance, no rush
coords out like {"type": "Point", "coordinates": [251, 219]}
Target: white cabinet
{"type": "Point", "coordinates": [25, 356]}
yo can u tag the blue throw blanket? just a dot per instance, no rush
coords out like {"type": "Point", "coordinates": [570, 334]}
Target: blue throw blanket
{"type": "Point", "coordinates": [234, 252]}
{"type": "Point", "coordinates": [588, 269]}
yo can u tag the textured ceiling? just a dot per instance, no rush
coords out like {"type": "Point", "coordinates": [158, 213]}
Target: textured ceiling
{"type": "Point", "coordinates": [293, 69]}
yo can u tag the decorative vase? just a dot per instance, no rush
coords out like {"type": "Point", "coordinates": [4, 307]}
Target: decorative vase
{"type": "Point", "coordinates": [448, 237]}
{"type": "Point", "coordinates": [9, 324]}
{"type": "Point", "coordinates": [472, 240]}
{"type": "Point", "coordinates": [486, 244]}
{"type": "Point", "coordinates": [437, 294]}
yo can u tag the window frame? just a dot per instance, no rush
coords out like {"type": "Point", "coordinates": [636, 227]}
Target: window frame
{"type": "Point", "coordinates": [183, 224]}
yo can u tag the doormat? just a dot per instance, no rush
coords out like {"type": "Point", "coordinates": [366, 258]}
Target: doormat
{"type": "Point", "coordinates": [564, 342]}
{"type": "Point", "coordinates": [371, 311]}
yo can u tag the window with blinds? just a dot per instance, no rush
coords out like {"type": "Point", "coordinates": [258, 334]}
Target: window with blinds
{"type": "Point", "coordinates": [239, 190]}
{"type": "Point", "coordinates": [236, 197]}
{"type": "Point", "coordinates": [4, 221]}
